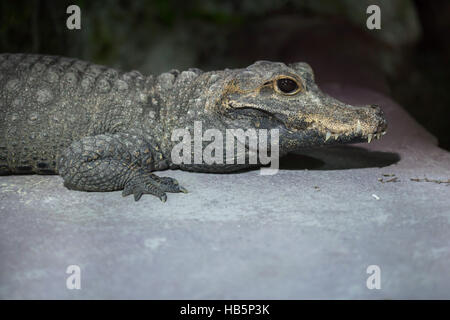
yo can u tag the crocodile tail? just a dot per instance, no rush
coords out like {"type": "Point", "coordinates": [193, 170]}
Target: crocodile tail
{"type": "Point", "coordinates": [4, 169]}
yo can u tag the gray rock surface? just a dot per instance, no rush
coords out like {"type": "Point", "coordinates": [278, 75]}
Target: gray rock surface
{"type": "Point", "coordinates": [309, 231]}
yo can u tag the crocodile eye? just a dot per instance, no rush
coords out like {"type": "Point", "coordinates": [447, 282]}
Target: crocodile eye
{"type": "Point", "coordinates": [287, 86]}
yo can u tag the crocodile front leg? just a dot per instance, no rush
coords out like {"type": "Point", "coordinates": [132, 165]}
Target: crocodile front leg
{"type": "Point", "coordinates": [120, 161]}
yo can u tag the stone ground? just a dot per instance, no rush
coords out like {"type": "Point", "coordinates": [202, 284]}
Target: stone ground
{"type": "Point", "coordinates": [309, 231]}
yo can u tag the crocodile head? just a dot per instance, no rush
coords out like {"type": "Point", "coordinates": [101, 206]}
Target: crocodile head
{"type": "Point", "coordinates": [268, 95]}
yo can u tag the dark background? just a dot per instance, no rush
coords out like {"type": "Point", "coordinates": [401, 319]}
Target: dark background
{"type": "Point", "coordinates": [408, 59]}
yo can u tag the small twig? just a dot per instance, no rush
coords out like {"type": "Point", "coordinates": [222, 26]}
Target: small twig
{"type": "Point", "coordinates": [430, 180]}
{"type": "Point", "coordinates": [394, 179]}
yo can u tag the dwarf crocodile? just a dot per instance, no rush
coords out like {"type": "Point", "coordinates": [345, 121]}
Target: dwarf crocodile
{"type": "Point", "coordinates": [102, 129]}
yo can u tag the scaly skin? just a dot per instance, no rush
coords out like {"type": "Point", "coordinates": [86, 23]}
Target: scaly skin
{"type": "Point", "coordinates": [104, 130]}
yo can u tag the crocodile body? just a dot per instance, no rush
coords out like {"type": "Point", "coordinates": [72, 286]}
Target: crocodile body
{"type": "Point", "coordinates": [102, 129]}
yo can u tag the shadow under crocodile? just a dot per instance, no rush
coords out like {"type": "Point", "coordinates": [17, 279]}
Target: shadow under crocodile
{"type": "Point", "coordinates": [338, 158]}
{"type": "Point", "coordinates": [332, 158]}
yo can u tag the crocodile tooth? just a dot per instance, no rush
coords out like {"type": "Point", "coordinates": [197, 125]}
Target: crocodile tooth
{"type": "Point", "coordinates": [383, 133]}
{"type": "Point", "coordinates": [369, 137]}
{"type": "Point", "coordinates": [328, 135]}
{"type": "Point", "coordinates": [358, 126]}
{"type": "Point", "coordinates": [378, 135]}
{"type": "Point", "coordinates": [336, 136]}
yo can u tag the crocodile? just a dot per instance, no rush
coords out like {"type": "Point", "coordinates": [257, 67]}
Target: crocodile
{"type": "Point", "coordinates": [103, 129]}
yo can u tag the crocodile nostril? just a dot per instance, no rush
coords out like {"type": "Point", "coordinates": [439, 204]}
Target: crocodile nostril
{"type": "Point", "coordinates": [377, 110]}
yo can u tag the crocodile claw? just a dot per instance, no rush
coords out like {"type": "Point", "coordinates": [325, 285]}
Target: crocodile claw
{"type": "Point", "coordinates": [148, 183]}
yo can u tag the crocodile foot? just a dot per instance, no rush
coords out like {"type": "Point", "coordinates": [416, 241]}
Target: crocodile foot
{"type": "Point", "coordinates": [151, 184]}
